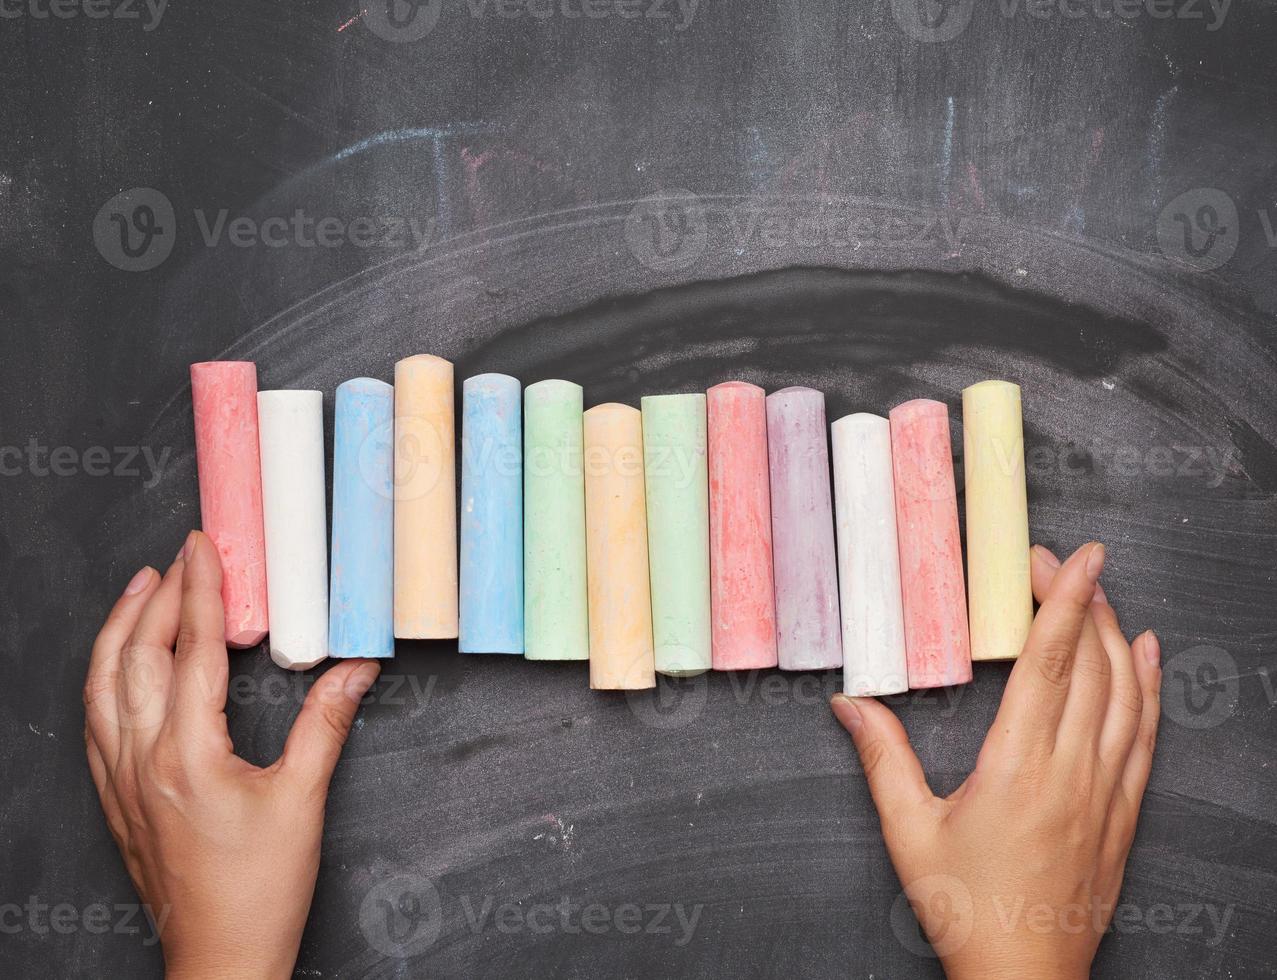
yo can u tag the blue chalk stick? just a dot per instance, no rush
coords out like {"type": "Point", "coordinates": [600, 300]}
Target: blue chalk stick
{"type": "Point", "coordinates": [491, 516]}
{"type": "Point", "coordinates": [361, 588]}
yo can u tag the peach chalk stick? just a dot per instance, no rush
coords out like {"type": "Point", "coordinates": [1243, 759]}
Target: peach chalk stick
{"type": "Point", "coordinates": [804, 560]}
{"type": "Point", "coordinates": [1001, 593]}
{"type": "Point", "coordinates": [296, 520]}
{"type": "Point", "coordinates": [227, 456]}
{"type": "Point", "coordinates": [931, 586]}
{"type": "Point", "coordinates": [742, 595]}
{"type": "Point", "coordinates": [620, 599]}
{"type": "Point", "coordinates": [873, 625]}
{"type": "Point", "coordinates": [425, 500]}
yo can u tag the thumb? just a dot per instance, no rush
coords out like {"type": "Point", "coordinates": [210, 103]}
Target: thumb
{"type": "Point", "coordinates": [894, 773]}
{"type": "Point", "coordinates": [315, 743]}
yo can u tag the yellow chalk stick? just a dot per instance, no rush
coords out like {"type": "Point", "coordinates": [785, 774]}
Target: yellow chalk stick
{"type": "Point", "coordinates": [620, 599]}
{"type": "Point", "coordinates": [1000, 595]}
{"type": "Point", "coordinates": [425, 500]}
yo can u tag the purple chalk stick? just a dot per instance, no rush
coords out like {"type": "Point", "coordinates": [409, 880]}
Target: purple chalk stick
{"type": "Point", "coordinates": [808, 629]}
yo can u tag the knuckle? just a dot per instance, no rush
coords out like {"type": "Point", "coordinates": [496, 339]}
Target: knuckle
{"type": "Point", "coordinates": [98, 685]}
{"type": "Point", "coordinates": [1093, 666]}
{"type": "Point", "coordinates": [873, 758]}
{"type": "Point", "coordinates": [1054, 661]}
{"type": "Point", "coordinates": [333, 722]}
{"type": "Point", "coordinates": [1129, 699]}
{"type": "Point", "coordinates": [189, 636]}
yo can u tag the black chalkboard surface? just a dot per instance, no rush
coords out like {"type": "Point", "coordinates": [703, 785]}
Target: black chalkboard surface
{"type": "Point", "coordinates": [883, 200]}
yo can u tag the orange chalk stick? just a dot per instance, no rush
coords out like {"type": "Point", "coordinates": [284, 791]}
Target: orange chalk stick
{"type": "Point", "coordinates": [620, 598]}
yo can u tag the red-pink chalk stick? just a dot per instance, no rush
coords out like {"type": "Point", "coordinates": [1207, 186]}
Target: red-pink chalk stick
{"type": "Point", "coordinates": [742, 597]}
{"type": "Point", "coordinates": [224, 394]}
{"type": "Point", "coordinates": [809, 632]}
{"type": "Point", "coordinates": [937, 642]}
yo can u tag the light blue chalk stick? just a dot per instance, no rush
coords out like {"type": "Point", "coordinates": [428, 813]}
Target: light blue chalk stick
{"type": "Point", "coordinates": [361, 589]}
{"type": "Point", "coordinates": [491, 516]}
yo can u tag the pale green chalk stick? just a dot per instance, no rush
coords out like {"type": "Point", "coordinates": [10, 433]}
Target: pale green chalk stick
{"type": "Point", "coordinates": [555, 609]}
{"type": "Point", "coordinates": [674, 437]}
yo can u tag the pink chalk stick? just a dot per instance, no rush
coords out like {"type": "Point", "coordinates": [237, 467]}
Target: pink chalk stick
{"type": "Point", "coordinates": [224, 394]}
{"type": "Point", "coordinates": [742, 597]}
{"type": "Point", "coordinates": [937, 642]}
{"type": "Point", "coordinates": [805, 561]}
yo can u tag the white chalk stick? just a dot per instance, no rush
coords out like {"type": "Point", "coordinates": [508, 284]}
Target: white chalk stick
{"type": "Point", "coordinates": [291, 426]}
{"type": "Point", "coordinates": [873, 632]}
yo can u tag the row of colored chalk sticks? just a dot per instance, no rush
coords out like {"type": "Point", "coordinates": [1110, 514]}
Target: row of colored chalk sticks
{"type": "Point", "coordinates": [698, 533]}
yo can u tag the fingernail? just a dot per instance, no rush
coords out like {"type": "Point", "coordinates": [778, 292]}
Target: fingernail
{"type": "Point", "coordinates": [1047, 556]}
{"type": "Point", "coordinates": [188, 549]}
{"type": "Point", "coordinates": [846, 711]}
{"type": "Point", "coordinates": [1152, 648]}
{"type": "Point", "coordinates": [139, 581]}
{"type": "Point", "coordinates": [1095, 562]}
{"type": "Point", "coordinates": [1100, 597]}
{"type": "Point", "coordinates": [357, 684]}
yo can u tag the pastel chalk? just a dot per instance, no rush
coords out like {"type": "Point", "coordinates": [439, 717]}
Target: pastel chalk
{"type": "Point", "coordinates": [676, 480]}
{"type": "Point", "coordinates": [620, 604]}
{"type": "Point", "coordinates": [932, 591]}
{"type": "Point", "coordinates": [555, 606]}
{"type": "Point", "coordinates": [491, 607]}
{"type": "Point", "coordinates": [425, 500]}
{"type": "Point", "coordinates": [361, 593]}
{"type": "Point", "coordinates": [873, 628]}
{"type": "Point", "coordinates": [294, 498]}
{"type": "Point", "coordinates": [804, 557]}
{"type": "Point", "coordinates": [1000, 590]}
{"type": "Point", "coordinates": [228, 460]}
{"type": "Point", "coordinates": [742, 595]}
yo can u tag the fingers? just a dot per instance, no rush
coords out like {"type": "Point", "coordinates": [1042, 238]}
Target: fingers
{"type": "Point", "coordinates": [145, 684]}
{"type": "Point", "coordinates": [101, 711]}
{"type": "Point", "coordinates": [1088, 697]}
{"type": "Point", "coordinates": [895, 776]}
{"type": "Point", "coordinates": [1126, 700]}
{"type": "Point", "coordinates": [201, 666]}
{"type": "Point", "coordinates": [1124, 705]}
{"type": "Point", "coordinates": [1038, 688]}
{"type": "Point", "coordinates": [1147, 654]}
{"type": "Point", "coordinates": [315, 743]}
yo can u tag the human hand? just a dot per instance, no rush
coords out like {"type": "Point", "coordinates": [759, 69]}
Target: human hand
{"type": "Point", "coordinates": [223, 853]}
{"type": "Point", "coordinates": [1017, 872]}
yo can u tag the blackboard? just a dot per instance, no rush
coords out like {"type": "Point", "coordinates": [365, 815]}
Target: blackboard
{"type": "Point", "coordinates": [883, 200]}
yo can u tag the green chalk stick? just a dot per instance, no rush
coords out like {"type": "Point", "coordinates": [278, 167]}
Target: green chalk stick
{"type": "Point", "coordinates": [555, 610]}
{"type": "Point", "coordinates": [674, 438]}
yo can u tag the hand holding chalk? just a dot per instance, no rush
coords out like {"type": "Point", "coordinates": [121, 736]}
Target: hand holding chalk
{"type": "Point", "coordinates": [223, 853]}
{"type": "Point", "coordinates": [1017, 872]}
